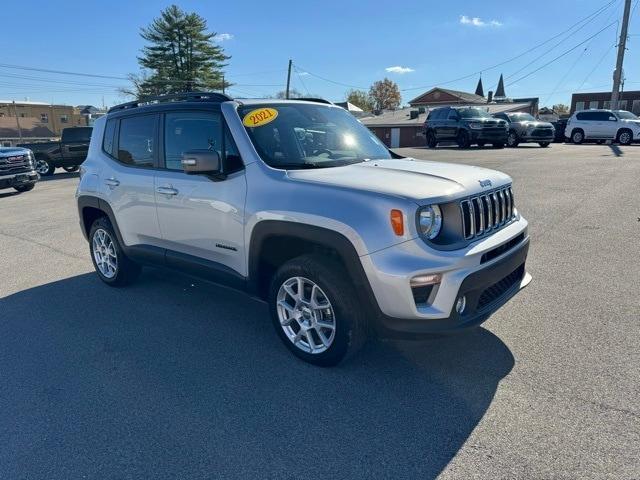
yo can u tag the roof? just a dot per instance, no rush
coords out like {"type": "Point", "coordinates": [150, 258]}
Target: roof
{"type": "Point", "coordinates": [24, 102]}
{"type": "Point", "coordinates": [402, 117]}
{"type": "Point", "coordinates": [464, 96]}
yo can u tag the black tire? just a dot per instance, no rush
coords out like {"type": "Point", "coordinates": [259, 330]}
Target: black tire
{"type": "Point", "coordinates": [625, 136]}
{"type": "Point", "coordinates": [25, 188]}
{"type": "Point", "coordinates": [577, 136]}
{"type": "Point", "coordinates": [431, 139]}
{"type": "Point", "coordinates": [72, 169]}
{"type": "Point", "coordinates": [512, 139]}
{"type": "Point", "coordinates": [44, 168]}
{"type": "Point", "coordinates": [481, 144]}
{"type": "Point", "coordinates": [463, 139]}
{"type": "Point", "coordinates": [126, 271]}
{"type": "Point", "coordinates": [544, 144]}
{"type": "Point", "coordinates": [349, 319]}
{"type": "Point", "coordinates": [498, 145]}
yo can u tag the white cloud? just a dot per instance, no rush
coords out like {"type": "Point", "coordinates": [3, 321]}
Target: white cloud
{"type": "Point", "coordinates": [223, 37]}
{"type": "Point", "coordinates": [478, 22]}
{"type": "Point", "coordinates": [399, 69]}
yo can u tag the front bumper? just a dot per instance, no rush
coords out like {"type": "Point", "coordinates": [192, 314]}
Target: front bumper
{"type": "Point", "coordinates": [17, 179]}
{"type": "Point", "coordinates": [535, 138]}
{"type": "Point", "coordinates": [492, 135]}
{"type": "Point", "coordinates": [486, 279]}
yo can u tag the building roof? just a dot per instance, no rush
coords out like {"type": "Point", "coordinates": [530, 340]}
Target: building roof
{"type": "Point", "coordinates": [402, 117]}
{"type": "Point", "coordinates": [23, 102]}
{"type": "Point", "coordinates": [465, 97]}
{"type": "Point", "coordinates": [31, 128]}
{"type": "Point", "coordinates": [500, 89]}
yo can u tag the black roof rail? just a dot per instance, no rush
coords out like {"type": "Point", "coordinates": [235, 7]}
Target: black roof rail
{"type": "Point", "coordinates": [313, 99]}
{"type": "Point", "coordinates": [175, 97]}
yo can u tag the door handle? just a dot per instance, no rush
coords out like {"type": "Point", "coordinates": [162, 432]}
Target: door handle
{"type": "Point", "coordinates": [112, 182]}
{"type": "Point", "coordinates": [167, 190]}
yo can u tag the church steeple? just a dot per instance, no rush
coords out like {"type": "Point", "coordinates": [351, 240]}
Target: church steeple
{"type": "Point", "coordinates": [500, 89]}
{"type": "Point", "coordinates": [479, 89]}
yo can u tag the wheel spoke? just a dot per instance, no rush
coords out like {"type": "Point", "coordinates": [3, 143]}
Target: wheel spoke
{"type": "Point", "coordinates": [310, 340]}
{"type": "Point", "coordinates": [291, 293]}
{"type": "Point", "coordinates": [300, 288]}
{"type": "Point", "coordinates": [314, 299]}
{"type": "Point", "coordinates": [327, 325]}
{"type": "Point", "coordinates": [323, 337]}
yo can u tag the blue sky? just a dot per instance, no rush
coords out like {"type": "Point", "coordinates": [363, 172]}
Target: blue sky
{"type": "Point", "coordinates": [347, 42]}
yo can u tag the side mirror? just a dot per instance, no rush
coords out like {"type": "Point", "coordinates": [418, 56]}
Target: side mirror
{"type": "Point", "coordinates": [613, 119]}
{"type": "Point", "coordinates": [201, 161]}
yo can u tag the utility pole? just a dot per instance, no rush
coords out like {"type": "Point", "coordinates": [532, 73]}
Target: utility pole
{"type": "Point", "coordinates": [223, 92]}
{"type": "Point", "coordinates": [286, 93]}
{"type": "Point", "coordinates": [15, 109]}
{"type": "Point", "coordinates": [617, 74]}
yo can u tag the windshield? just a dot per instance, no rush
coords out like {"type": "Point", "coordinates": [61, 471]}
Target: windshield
{"type": "Point", "coordinates": [623, 114]}
{"type": "Point", "coordinates": [521, 117]}
{"type": "Point", "coordinates": [299, 135]}
{"type": "Point", "coordinates": [473, 113]}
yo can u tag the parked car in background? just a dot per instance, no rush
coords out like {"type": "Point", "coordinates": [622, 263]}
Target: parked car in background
{"type": "Point", "coordinates": [68, 153]}
{"type": "Point", "coordinates": [602, 125]}
{"type": "Point", "coordinates": [299, 204]}
{"type": "Point", "coordinates": [523, 128]}
{"type": "Point", "coordinates": [466, 126]}
{"type": "Point", "coordinates": [560, 125]}
{"type": "Point", "coordinates": [17, 169]}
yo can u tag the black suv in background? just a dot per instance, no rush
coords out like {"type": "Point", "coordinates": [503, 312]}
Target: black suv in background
{"type": "Point", "coordinates": [466, 126]}
{"type": "Point", "coordinates": [68, 153]}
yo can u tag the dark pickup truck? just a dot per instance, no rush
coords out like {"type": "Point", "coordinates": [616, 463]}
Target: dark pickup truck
{"type": "Point", "coordinates": [68, 153]}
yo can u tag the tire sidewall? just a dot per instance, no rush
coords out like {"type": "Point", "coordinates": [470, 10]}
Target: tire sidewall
{"type": "Point", "coordinates": [573, 137]}
{"type": "Point", "coordinates": [104, 224]}
{"type": "Point", "coordinates": [50, 169]}
{"type": "Point", "coordinates": [338, 292]}
{"type": "Point", "coordinates": [620, 137]}
{"type": "Point", "coordinates": [514, 143]}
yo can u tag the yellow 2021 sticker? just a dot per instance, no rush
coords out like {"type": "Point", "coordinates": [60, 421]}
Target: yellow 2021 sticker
{"type": "Point", "coordinates": [259, 117]}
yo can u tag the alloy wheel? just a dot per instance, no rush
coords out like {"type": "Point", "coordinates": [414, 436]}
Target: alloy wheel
{"type": "Point", "coordinates": [42, 167]}
{"type": "Point", "coordinates": [104, 253]}
{"type": "Point", "coordinates": [511, 139]}
{"type": "Point", "coordinates": [625, 138]}
{"type": "Point", "coordinates": [306, 315]}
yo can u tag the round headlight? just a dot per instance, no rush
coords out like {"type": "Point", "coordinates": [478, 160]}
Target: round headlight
{"type": "Point", "coordinates": [429, 221]}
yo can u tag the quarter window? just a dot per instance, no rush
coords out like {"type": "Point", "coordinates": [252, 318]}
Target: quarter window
{"type": "Point", "coordinates": [109, 133]}
{"type": "Point", "coordinates": [136, 143]}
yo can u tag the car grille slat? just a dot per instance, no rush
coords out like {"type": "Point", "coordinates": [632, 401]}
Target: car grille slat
{"type": "Point", "coordinates": [14, 164]}
{"type": "Point", "coordinates": [483, 213]}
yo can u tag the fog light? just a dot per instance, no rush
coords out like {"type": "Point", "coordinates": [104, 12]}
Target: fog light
{"type": "Point", "coordinates": [461, 303]}
{"type": "Point", "coordinates": [430, 279]}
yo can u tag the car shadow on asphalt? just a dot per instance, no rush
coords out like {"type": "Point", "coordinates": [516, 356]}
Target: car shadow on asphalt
{"type": "Point", "coordinates": [59, 176]}
{"type": "Point", "coordinates": [174, 377]}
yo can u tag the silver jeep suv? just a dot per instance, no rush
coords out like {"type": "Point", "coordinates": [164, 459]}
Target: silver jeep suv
{"type": "Point", "coordinates": [298, 204]}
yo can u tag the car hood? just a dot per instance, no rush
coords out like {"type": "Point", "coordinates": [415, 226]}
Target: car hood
{"type": "Point", "coordinates": [634, 123]}
{"type": "Point", "coordinates": [12, 151]}
{"type": "Point", "coordinates": [535, 123]}
{"type": "Point", "coordinates": [418, 180]}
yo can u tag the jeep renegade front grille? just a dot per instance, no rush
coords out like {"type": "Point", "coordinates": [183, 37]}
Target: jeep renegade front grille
{"type": "Point", "coordinates": [486, 213]}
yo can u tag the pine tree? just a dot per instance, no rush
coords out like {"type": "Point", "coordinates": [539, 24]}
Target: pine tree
{"type": "Point", "coordinates": [181, 56]}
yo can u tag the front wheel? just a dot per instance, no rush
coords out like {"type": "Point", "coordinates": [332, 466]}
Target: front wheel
{"type": "Point", "coordinates": [25, 188]}
{"type": "Point", "coordinates": [71, 169]}
{"type": "Point", "coordinates": [625, 137]}
{"type": "Point", "coordinates": [577, 137]}
{"type": "Point", "coordinates": [112, 265]}
{"type": "Point", "coordinates": [513, 140]}
{"type": "Point", "coordinates": [315, 310]}
{"type": "Point", "coordinates": [44, 168]}
{"type": "Point", "coordinates": [544, 144]}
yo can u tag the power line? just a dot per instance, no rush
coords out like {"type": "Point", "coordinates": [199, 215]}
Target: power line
{"type": "Point", "coordinates": [332, 81]}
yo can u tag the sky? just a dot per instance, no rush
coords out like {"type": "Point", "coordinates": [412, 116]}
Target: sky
{"type": "Point", "coordinates": [335, 46]}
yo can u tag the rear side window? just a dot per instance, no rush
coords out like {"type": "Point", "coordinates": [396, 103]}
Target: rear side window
{"type": "Point", "coordinates": [76, 134]}
{"type": "Point", "coordinates": [137, 140]}
{"type": "Point", "coordinates": [109, 137]}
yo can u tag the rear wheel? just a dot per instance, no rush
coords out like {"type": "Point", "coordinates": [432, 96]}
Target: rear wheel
{"type": "Point", "coordinates": [431, 139]}
{"type": "Point", "coordinates": [44, 168]}
{"type": "Point", "coordinates": [544, 144]}
{"type": "Point", "coordinates": [463, 139]}
{"type": "Point", "coordinates": [112, 265]}
{"type": "Point", "coordinates": [577, 136]}
{"type": "Point", "coordinates": [25, 188]}
{"type": "Point", "coordinates": [512, 139]}
{"type": "Point", "coordinates": [315, 310]}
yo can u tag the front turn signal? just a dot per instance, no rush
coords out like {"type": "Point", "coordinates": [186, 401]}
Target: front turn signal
{"type": "Point", "coordinates": [397, 222]}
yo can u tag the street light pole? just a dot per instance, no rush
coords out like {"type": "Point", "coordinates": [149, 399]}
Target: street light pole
{"type": "Point", "coordinates": [617, 74]}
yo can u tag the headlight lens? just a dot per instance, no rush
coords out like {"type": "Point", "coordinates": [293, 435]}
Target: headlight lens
{"type": "Point", "coordinates": [429, 221]}
{"type": "Point", "coordinates": [475, 126]}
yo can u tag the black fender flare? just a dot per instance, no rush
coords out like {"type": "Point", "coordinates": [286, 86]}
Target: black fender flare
{"type": "Point", "coordinates": [91, 201]}
{"type": "Point", "coordinates": [311, 233]}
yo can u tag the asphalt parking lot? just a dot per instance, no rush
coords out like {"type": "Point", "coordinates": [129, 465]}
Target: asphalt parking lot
{"type": "Point", "coordinates": [177, 378]}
